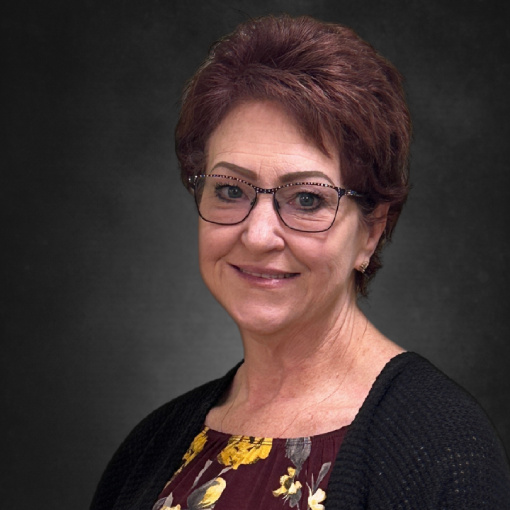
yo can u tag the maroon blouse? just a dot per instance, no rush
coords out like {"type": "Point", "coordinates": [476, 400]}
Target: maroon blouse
{"type": "Point", "coordinates": [228, 472]}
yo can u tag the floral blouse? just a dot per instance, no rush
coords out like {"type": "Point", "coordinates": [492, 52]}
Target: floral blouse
{"type": "Point", "coordinates": [227, 472]}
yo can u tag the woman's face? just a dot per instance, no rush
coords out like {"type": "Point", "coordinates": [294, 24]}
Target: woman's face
{"type": "Point", "coordinates": [268, 277]}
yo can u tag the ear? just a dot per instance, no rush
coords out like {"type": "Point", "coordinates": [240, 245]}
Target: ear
{"type": "Point", "coordinates": [374, 228]}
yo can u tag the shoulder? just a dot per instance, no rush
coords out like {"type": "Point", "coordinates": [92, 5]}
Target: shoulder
{"type": "Point", "coordinates": [419, 427]}
{"type": "Point", "coordinates": [159, 439]}
{"type": "Point", "coordinates": [185, 409]}
{"type": "Point", "coordinates": [412, 390]}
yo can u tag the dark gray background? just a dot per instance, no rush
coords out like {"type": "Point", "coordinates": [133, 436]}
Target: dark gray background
{"type": "Point", "coordinates": [104, 313]}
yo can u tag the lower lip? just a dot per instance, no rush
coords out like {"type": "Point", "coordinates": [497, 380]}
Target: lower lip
{"type": "Point", "coordinates": [264, 282]}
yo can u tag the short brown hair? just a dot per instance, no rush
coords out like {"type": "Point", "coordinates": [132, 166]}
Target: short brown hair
{"type": "Point", "coordinates": [336, 87]}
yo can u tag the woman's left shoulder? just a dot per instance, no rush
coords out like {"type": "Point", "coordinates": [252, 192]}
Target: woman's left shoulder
{"type": "Point", "coordinates": [419, 425]}
{"type": "Point", "coordinates": [411, 388]}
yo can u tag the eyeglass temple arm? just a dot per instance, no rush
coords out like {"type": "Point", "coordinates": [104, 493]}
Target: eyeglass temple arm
{"type": "Point", "coordinates": [352, 193]}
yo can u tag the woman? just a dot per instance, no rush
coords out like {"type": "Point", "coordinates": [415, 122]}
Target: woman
{"type": "Point", "coordinates": [293, 138]}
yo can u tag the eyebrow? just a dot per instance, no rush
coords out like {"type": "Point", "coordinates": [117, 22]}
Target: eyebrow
{"type": "Point", "coordinates": [284, 179]}
{"type": "Point", "coordinates": [249, 174]}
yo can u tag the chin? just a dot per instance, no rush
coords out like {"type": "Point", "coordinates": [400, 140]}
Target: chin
{"type": "Point", "coordinates": [261, 320]}
{"type": "Point", "coordinates": [254, 317]}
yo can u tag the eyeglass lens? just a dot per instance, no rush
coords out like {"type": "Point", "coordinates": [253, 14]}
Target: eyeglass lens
{"type": "Point", "coordinates": [227, 201]}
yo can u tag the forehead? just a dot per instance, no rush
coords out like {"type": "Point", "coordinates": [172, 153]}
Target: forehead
{"type": "Point", "coordinates": [263, 138]}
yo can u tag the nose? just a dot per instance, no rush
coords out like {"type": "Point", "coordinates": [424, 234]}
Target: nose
{"type": "Point", "coordinates": [263, 230]}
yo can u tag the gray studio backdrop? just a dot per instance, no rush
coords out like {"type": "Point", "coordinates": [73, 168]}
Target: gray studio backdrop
{"type": "Point", "coordinates": [105, 316]}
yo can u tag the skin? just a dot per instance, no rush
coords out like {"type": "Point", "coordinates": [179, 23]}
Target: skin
{"type": "Point", "coordinates": [310, 354]}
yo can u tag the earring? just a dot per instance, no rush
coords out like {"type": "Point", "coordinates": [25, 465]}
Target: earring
{"type": "Point", "coordinates": [363, 267]}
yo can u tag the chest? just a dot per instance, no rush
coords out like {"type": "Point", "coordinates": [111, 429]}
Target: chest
{"type": "Point", "coordinates": [224, 471]}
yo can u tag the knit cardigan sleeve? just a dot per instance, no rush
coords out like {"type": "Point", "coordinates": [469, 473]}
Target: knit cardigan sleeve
{"type": "Point", "coordinates": [152, 452]}
{"type": "Point", "coordinates": [420, 442]}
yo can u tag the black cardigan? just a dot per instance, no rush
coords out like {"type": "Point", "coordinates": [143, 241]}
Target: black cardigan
{"type": "Point", "coordinates": [418, 442]}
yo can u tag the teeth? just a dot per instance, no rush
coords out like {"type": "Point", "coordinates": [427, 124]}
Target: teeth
{"type": "Point", "coordinates": [268, 276]}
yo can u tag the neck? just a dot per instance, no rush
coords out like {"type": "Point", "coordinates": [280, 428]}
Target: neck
{"type": "Point", "coordinates": [301, 362]}
{"type": "Point", "coordinates": [311, 381]}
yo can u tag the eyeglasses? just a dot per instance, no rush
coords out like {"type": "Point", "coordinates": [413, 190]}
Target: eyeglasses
{"type": "Point", "coordinates": [302, 206]}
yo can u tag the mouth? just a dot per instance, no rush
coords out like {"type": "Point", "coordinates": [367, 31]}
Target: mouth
{"type": "Point", "coordinates": [269, 275]}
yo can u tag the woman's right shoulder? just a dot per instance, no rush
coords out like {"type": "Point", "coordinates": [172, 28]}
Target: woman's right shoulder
{"type": "Point", "coordinates": [187, 408]}
{"type": "Point", "coordinates": [161, 437]}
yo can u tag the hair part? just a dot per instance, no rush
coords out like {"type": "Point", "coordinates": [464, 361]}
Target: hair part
{"type": "Point", "coordinates": [339, 90]}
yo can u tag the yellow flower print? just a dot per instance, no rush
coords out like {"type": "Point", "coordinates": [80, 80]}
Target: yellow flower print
{"type": "Point", "coordinates": [244, 450]}
{"type": "Point", "coordinates": [213, 493]}
{"type": "Point", "coordinates": [315, 500]}
{"type": "Point", "coordinates": [207, 495]}
{"type": "Point", "coordinates": [196, 447]}
{"type": "Point", "coordinates": [289, 488]}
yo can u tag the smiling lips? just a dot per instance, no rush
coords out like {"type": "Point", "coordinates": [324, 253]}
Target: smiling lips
{"type": "Point", "coordinates": [266, 275]}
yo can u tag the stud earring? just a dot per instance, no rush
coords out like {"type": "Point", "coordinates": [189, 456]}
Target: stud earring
{"type": "Point", "coordinates": [363, 267]}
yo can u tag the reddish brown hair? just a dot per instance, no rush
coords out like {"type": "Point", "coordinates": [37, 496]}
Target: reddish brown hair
{"type": "Point", "coordinates": [336, 87]}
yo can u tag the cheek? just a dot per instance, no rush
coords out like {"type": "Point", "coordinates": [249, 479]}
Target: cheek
{"type": "Point", "coordinates": [333, 265]}
{"type": "Point", "coordinates": [214, 242]}
{"type": "Point", "coordinates": [330, 260]}
{"type": "Point", "coordinates": [206, 246]}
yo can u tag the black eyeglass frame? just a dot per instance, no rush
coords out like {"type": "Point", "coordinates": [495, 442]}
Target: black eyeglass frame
{"type": "Point", "coordinates": [341, 192]}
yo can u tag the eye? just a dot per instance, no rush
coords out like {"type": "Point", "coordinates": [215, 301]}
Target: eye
{"type": "Point", "coordinates": [228, 192]}
{"type": "Point", "coordinates": [307, 200]}
{"type": "Point", "coordinates": [234, 192]}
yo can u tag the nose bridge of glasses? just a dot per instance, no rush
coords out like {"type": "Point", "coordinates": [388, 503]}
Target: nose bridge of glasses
{"type": "Point", "coordinates": [264, 212]}
{"type": "Point", "coordinates": [265, 191]}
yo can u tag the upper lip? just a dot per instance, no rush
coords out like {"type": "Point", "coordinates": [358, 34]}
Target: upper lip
{"type": "Point", "coordinates": [265, 272]}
